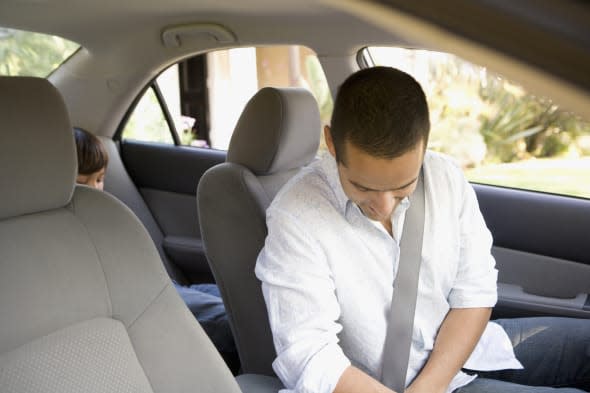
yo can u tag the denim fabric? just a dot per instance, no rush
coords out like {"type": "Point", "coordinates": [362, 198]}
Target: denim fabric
{"type": "Point", "coordinates": [211, 289]}
{"type": "Point", "coordinates": [486, 385]}
{"type": "Point", "coordinates": [204, 301]}
{"type": "Point", "coordinates": [555, 353]}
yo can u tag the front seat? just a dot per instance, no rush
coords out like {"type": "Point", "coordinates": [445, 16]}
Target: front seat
{"type": "Point", "coordinates": [85, 304]}
{"type": "Point", "coordinates": [278, 133]}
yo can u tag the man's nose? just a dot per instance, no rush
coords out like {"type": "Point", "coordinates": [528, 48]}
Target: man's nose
{"type": "Point", "coordinates": [384, 203]}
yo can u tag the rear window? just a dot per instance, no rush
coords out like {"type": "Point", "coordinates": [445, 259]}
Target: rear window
{"type": "Point", "coordinates": [24, 53]}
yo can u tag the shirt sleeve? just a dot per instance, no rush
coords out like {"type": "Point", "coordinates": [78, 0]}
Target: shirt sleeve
{"type": "Point", "coordinates": [476, 280]}
{"type": "Point", "coordinates": [302, 307]}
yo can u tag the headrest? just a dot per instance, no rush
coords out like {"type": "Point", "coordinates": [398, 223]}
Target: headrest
{"type": "Point", "coordinates": [37, 151]}
{"type": "Point", "coordinates": [278, 130]}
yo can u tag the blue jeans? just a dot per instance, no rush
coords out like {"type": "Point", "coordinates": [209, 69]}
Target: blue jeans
{"type": "Point", "coordinates": [555, 353]}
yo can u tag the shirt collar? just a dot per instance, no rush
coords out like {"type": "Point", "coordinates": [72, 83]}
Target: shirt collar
{"type": "Point", "coordinates": [330, 169]}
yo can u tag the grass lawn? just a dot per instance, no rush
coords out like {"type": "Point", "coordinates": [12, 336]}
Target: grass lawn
{"type": "Point", "coordinates": [558, 176]}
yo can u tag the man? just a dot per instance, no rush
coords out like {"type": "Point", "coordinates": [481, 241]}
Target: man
{"type": "Point", "coordinates": [332, 253]}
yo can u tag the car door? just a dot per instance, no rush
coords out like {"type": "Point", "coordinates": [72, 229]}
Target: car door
{"type": "Point", "coordinates": [542, 251]}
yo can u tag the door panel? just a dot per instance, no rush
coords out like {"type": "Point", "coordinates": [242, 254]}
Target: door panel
{"type": "Point", "coordinates": [166, 167]}
{"type": "Point", "coordinates": [531, 284]}
{"type": "Point", "coordinates": [535, 222]}
{"type": "Point", "coordinates": [542, 251]}
{"type": "Point", "coordinates": [176, 213]}
{"type": "Point", "coordinates": [167, 178]}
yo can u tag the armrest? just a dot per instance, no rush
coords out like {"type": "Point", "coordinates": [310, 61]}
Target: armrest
{"type": "Point", "coordinates": [187, 253]}
{"type": "Point", "coordinates": [513, 296]}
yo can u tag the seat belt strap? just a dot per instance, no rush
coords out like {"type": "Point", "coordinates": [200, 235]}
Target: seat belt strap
{"type": "Point", "coordinates": [405, 289]}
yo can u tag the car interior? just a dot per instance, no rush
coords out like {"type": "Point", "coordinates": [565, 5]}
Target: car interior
{"type": "Point", "coordinates": [86, 295]}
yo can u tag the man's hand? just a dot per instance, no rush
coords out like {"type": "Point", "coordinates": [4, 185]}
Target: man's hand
{"type": "Point", "coordinates": [354, 380]}
{"type": "Point", "coordinates": [456, 339]}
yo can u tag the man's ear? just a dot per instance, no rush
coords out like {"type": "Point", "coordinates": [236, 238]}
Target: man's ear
{"type": "Point", "coordinates": [329, 141]}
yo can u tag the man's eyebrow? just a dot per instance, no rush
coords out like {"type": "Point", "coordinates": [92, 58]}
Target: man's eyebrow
{"type": "Point", "coordinates": [393, 189]}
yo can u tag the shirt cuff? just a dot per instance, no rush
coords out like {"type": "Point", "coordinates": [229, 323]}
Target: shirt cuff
{"type": "Point", "coordinates": [468, 299]}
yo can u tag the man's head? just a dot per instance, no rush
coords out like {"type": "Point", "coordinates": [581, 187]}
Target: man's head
{"type": "Point", "coordinates": [379, 132]}
{"type": "Point", "coordinates": [380, 110]}
{"type": "Point", "coordinates": [92, 159]}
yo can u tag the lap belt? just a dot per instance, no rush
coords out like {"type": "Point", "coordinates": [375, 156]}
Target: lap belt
{"type": "Point", "coordinates": [405, 288]}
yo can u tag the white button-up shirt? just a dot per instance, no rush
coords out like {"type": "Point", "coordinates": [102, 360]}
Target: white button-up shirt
{"type": "Point", "coordinates": [327, 275]}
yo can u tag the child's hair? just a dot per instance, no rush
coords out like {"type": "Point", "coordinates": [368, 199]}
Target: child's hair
{"type": "Point", "coordinates": [92, 155]}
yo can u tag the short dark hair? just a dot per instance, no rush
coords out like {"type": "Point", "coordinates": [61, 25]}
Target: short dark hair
{"type": "Point", "coordinates": [92, 155]}
{"type": "Point", "coordinates": [380, 110]}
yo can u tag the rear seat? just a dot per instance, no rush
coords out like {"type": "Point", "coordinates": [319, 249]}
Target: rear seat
{"type": "Point", "coordinates": [118, 183]}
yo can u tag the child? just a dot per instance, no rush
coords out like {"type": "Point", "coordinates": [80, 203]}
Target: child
{"type": "Point", "coordinates": [92, 159]}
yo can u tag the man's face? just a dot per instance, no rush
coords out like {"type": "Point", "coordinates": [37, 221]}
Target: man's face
{"type": "Point", "coordinates": [377, 185]}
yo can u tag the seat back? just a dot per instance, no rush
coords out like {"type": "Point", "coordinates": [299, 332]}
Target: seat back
{"type": "Point", "coordinates": [85, 304]}
{"type": "Point", "coordinates": [276, 135]}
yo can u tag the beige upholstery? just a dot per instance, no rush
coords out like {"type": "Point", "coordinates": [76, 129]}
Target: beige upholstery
{"type": "Point", "coordinates": [85, 304]}
{"type": "Point", "coordinates": [32, 185]}
{"type": "Point", "coordinates": [278, 133]}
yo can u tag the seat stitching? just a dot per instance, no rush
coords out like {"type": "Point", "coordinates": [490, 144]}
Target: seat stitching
{"type": "Point", "coordinates": [151, 302]}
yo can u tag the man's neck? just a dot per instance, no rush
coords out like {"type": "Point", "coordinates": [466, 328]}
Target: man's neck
{"type": "Point", "coordinates": [388, 226]}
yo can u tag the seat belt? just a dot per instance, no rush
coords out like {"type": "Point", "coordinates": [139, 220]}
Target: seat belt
{"type": "Point", "coordinates": [398, 340]}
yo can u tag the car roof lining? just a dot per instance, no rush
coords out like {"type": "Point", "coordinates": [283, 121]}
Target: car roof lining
{"type": "Point", "coordinates": [116, 34]}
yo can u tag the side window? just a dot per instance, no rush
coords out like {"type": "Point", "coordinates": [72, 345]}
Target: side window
{"type": "Point", "coordinates": [498, 132]}
{"type": "Point", "coordinates": [147, 122]}
{"type": "Point", "coordinates": [235, 75]}
{"type": "Point", "coordinates": [198, 101]}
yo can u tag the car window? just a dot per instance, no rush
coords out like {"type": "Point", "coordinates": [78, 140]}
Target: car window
{"type": "Point", "coordinates": [24, 53]}
{"type": "Point", "coordinates": [147, 122]}
{"type": "Point", "coordinates": [202, 98]}
{"type": "Point", "coordinates": [497, 131]}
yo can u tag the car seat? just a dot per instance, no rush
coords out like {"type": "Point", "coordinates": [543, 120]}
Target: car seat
{"type": "Point", "coordinates": [277, 134]}
{"type": "Point", "coordinates": [85, 303]}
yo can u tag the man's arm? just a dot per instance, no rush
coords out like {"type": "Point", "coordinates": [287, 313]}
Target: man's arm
{"type": "Point", "coordinates": [456, 339]}
{"type": "Point", "coordinates": [303, 310]}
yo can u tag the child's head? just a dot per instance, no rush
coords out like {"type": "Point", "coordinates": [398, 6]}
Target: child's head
{"type": "Point", "coordinates": [92, 159]}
